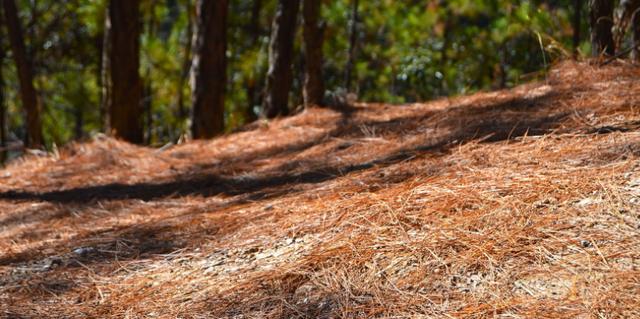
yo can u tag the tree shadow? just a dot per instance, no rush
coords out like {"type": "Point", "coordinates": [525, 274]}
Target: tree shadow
{"type": "Point", "coordinates": [494, 122]}
{"type": "Point", "coordinates": [487, 122]}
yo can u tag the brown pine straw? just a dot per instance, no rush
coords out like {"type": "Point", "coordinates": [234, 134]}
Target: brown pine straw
{"type": "Point", "coordinates": [521, 203]}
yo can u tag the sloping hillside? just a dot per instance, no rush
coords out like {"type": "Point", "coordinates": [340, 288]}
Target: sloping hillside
{"type": "Point", "coordinates": [517, 203]}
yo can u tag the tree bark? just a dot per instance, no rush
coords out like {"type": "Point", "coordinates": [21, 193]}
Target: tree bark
{"type": "Point", "coordinates": [3, 110]}
{"type": "Point", "coordinates": [577, 22]}
{"type": "Point", "coordinates": [147, 103]}
{"type": "Point", "coordinates": [313, 91]}
{"type": "Point", "coordinates": [280, 75]}
{"type": "Point", "coordinates": [209, 68]}
{"type": "Point", "coordinates": [147, 90]}
{"type": "Point", "coordinates": [28, 93]}
{"type": "Point", "coordinates": [186, 66]}
{"type": "Point", "coordinates": [631, 18]}
{"type": "Point", "coordinates": [99, 44]}
{"type": "Point", "coordinates": [3, 114]}
{"type": "Point", "coordinates": [105, 73]}
{"type": "Point", "coordinates": [352, 46]}
{"type": "Point", "coordinates": [635, 29]}
{"type": "Point", "coordinates": [601, 27]}
{"type": "Point", "coordinates": [79, 123]}
{"type": "Point", "coordinates": [124, 87]}
{"type": "Point", "coordinates": [253, 81]}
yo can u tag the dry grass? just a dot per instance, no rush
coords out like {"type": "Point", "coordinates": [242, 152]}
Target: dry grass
{"type": "Point", "coordinates": [521, 203]}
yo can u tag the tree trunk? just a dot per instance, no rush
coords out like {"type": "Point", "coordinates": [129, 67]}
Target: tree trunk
{"type": "Point", "coordinates": [99, 43]}
{"type": "Point", "coordinates": [252, 82]}
{"type": "Point", "coordinates": [352, 46]}
{"type": "Point", "coordinates": [147, 91]}
{"type": "Point", "coordinates": [635, 29]}
{"type": "Point", "coordinates": [186, 66]}
{"type": "Point", "coordinates": [280, 75]}
{"type": "Point", "coordinates": [577, 22]}
{"type": "Point", "coordinates": [449, 23]}
{"type": "Point", "coordinates": [28, 93]}
{"type": "Point", "coordinates": [601, 27]}
{"type": "Point", "coordinates": [79, 123]}
{"type": "Point", "coordinates": [631, 18]}
{"type": "Point", "coordinates": [3, 115]}
{"type": "Point", "coordinates": [124, 87]}
{"type": "Point", "coordinates": [3, 110]}
{"type": "Point", "coordinates": [208, 74]}
{"type": "Point", "coordinates": [105, 73]}
{"type": "Point", "coordinates": [313, 41]}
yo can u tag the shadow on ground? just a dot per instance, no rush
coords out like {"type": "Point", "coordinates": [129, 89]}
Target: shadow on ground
{"type": "Point", "coordinates": [495, 122]}
{"type": "Point", "coordinates": [501, 120]}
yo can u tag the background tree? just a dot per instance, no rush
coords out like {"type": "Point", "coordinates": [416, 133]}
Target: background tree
{"type": "Point", "coordinates": [313, 39]}
{"type": "Point", "coordinates": [353, 37]}
{"type": "Point", "coordinates": [411, 52]}
{"type": "Point", "coordinates": [3, 109]}
{"type": "Point", "coordinates": [254, 79]}
{"type": "Point", "coordinates": [635, 29]}
{"type": "Point", "coordinates": [151, 27]}
{"type": "Point", "coordinates": [181, 113]}
{"type": "Point", "coordinates": [630, 19]}
{"type": "Point", "coordinates": [208, 75]}
{"type": "Point", "coordinates": [577, 25]}
{"type": "Point", "coordinates": [601, 19]}
{"type": "Point", "coordinates": [25, 74]}
{"type": "Point", "coordinates": [105, 71]}
{"type": "Point", "coordinates": [280, 76]}
{"type": "Point", "coordinates": [125, 87]}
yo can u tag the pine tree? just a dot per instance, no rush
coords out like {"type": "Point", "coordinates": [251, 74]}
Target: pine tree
{"type": "Point", "coordinates": [28, 93]}
{"type": "Point", "coordinates": [124, 86]}
{"type": "Point", "coordinates": [601, 27]}
{"type": "Point", "coordinates": [313, 41]}
{"type": "Point", "coordinates": [280, 76]}
{"type": "Point", "coordinates": [208, 74]}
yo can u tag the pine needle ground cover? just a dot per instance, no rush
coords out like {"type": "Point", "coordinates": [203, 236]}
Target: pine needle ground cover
{"type": "Point", "coordinates": [522, 203]}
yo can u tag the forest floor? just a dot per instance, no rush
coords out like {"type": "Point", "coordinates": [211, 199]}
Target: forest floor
{"type": "Point", "coordinates": [516, 203]}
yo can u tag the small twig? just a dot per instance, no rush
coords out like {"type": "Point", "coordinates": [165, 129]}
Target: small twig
{"type": "Point", "coordinates": [618, 55]}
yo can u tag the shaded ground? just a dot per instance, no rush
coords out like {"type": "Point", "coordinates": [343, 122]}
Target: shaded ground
{"type": "Point", "coordinates": [518, 203]}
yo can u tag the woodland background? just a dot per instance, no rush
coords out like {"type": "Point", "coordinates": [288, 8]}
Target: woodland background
{"type": "Point", "coordinates": [399, 53]}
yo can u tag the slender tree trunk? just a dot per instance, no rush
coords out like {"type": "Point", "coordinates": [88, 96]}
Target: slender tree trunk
{"type": "Point", "coordinates": [3, 116]}
{"type": "Point", "coordinates": [444, 57]}
{"type": "Point", "coordinates": [28, 92]}
{"type": "Point", "coordinates": [635, 29]}
{"type": "Point", "coordinates": [280, 75]}
{"type": "Point", "coordinates": [631, 18]}
{"type": "Point", "coordinates": [99, 43]}
{"type": "Point", "coordinates": [105, 73]}
{"type": "Point", "coordinates": [147, 102]}
{"type": "Point", "coordinates": [186, 65]}
{"type": "Point", "coordinates": [208, 73]}
{"type": "Point", "coordinates": [352, 46]}
{"type": "Point", "coordinates": [3, 110]}
{"type": "Point", "coordinates": [601, 27]}
{"type": "Point", "coordinates": [124, 87]}
{"type": "Point", "coordinates": [577, 22]}
{"type": "Point", "coordinates": [313, 41]}
{"type": "Point", "coordinates": [79, 114]}
{"type": "Point", "coordinates": [254, 27]}
{"type": "Point", "coordinates": [252, 81]}
{"type": "Point", "coordinates": [147, 91]}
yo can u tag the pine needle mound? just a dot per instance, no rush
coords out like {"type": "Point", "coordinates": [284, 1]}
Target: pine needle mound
{"type": "Point", "coordinates": [517, 203]}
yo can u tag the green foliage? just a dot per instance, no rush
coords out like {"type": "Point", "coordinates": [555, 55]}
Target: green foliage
{"type": "Point", "coordinates": [406, 52]}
